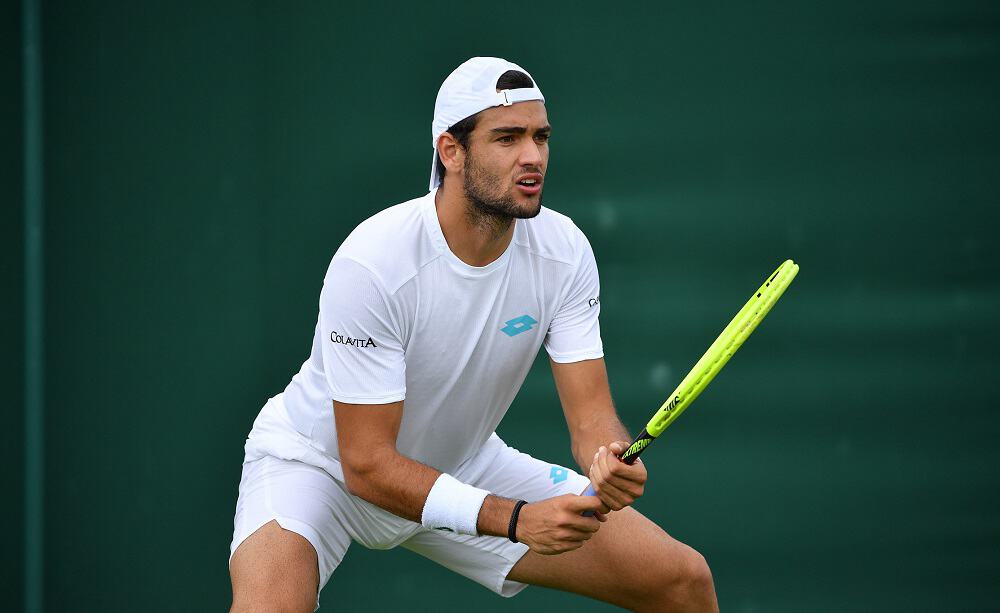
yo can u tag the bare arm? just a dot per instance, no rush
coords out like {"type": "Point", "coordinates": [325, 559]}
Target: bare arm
{"type": "Point", "coordinates": [586, 402]}
{"type": "Point", "coordinates": [597, 435]}
{"type": "Point", "coordinates": [375, 471]}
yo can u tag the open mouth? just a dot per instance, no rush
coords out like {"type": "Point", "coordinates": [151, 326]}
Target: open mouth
{"type": "Point", "coordinates": [530, 184]}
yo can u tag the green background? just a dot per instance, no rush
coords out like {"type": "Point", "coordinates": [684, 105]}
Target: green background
{"type": "Point", "coordinates": [203, 161]}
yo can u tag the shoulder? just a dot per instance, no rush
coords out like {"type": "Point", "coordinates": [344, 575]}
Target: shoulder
{"type": "Point", "coordinates": [392, 244]}
{"type": "Point", "coordinates": [553, 236]}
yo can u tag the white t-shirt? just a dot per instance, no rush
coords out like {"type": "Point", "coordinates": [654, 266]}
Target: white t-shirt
{"type": "Point", "coordinates": [402, 318]}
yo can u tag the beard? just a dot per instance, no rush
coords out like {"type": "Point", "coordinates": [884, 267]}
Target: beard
{"type": "Point", "coordinates": [490, 203]}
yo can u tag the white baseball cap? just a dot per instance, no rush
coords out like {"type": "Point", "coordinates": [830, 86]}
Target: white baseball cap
{"type": "Point", "coordinates": [469, 89]}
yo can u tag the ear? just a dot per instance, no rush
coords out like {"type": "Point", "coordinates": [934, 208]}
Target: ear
{"type": "Point", "coordinates": [451, 153]}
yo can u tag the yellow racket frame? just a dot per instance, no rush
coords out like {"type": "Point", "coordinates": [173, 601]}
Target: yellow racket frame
{"type": "Point", "coordinates": [730, 340]}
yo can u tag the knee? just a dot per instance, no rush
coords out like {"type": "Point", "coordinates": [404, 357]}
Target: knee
{"type": "Point", "coordinates": [696, 576]}
{"type": "Point", "coordinates": [686, 585]}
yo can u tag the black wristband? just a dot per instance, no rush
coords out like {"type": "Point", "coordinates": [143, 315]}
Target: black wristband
{"type": "Point", "coordinates": [512, 527]}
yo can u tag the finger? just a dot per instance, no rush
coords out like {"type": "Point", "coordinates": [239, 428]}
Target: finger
{"type": "Point", "coordinates": [623, 488]}
{"type": "Point", "coordinates": [611, 488]}
{"type": "Point", "coordinates": [589, 525]}
{"type": "Point", "coordinates": [599, 479]}
{"type": "Point", "coordinates": [623, 471]}
{"type": "Point", "coordinates": [622, 493]}
{"type": "Point", "coordinates": [613, 498]}
{"type": "Point", "coordinates": [594, 478]}
{"type": "Point", "coordinates": [601, 517]}
{"type": "Point", "coordinates": [583, 532]}
{"type": "Point", "coordinates": [610, 497]}
{"type": "Point", "coordinates": [571, 536]}
{"type": "Point", "coordinates": [618, 448]}
{"type": "Point", "coordinates": [628, 480]}
{"type": "Point", "coordinates": [579, 504]}
{"type": "Point", "coordinates": [635, 473]}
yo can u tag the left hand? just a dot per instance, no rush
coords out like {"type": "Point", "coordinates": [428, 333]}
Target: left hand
{"type": "Point", "coordinates": [618, 485]}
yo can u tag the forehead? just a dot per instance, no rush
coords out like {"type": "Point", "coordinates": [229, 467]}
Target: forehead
{"type": "Point", "coordinates": [530, 115]}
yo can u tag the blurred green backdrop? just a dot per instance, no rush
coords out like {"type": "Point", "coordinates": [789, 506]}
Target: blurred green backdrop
{"type": "Point", "coordinates": [203, 161]}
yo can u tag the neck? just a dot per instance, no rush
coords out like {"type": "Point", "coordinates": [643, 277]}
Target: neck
{"type": "Point", "coordinates": [474, 236]}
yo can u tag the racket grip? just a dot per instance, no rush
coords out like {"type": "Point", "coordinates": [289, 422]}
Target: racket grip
{"type": "Point", "coordinates": [590, 492]}
{"type": "Point", "coordinates": [631, 454]}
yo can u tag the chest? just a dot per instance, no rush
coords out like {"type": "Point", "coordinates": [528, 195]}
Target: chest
{"type": "Point", "coordinates": [495, 321]}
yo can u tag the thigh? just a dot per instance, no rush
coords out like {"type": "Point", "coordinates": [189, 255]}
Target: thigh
{"type": "Point", "coordinates": [274, 569]}
{"type": "Point", "coordinates": [507, 472]}
{"type": "Point", "coordinates": [510, 473]}
{"type": "Point", "coordinates": [629, 555]}
{"type": "Point", "coordinates": [289, 534]}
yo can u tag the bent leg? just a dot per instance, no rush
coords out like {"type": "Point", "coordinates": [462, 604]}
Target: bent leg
{"type": "Point", "coordinates": [631, 562]}
{"type": "Point", "coordinates": [289, 535]}
{"type": "Point", "coordinates": [274, 570]}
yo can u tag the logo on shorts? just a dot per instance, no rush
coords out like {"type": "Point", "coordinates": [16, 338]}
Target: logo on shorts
{"type": "Point", "coordinates": [594, 302]}
{"type": "Point", "coordinates": [357, 343]}
{"type": "Point", "coordinates": [518, 325]}
{"type": "Point", "coordinates": [558, 474]}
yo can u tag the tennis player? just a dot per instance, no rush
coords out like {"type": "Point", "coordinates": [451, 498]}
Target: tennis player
{"type": "Point", "coordinates": [430, 316]}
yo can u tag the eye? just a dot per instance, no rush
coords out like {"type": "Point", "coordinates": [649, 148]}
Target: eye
{"type": "Point", "coordinates": [542, 138]}
{"type": "Point", "coordinates": [506, 139]}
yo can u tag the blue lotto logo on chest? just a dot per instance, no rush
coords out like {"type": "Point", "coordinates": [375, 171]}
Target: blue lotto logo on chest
{"type": "Point", "coordinates": [518, 325]}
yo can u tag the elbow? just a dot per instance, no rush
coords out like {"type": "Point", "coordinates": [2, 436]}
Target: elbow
{"type": "Point", "coordinates": [362, 470]}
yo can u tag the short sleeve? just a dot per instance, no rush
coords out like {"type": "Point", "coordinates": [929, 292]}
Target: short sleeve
{"type": "Point", "coordinates": [575, 333]}
{"type": "Point", "coordinates": [363, 356]}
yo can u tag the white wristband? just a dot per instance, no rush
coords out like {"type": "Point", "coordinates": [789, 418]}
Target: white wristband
{"type": "Point", "coordinates": [453, 505]}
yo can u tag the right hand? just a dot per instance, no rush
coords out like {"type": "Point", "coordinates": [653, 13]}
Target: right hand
{"type": "Point", "coordinates": [555, 525]}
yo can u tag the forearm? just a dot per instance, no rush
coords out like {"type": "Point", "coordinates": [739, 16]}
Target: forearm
{"type": "Point", "coordinates": [391, 481]}
{"type": "Point", "coordinates": [400, 485]}
{"type": "Point", "coordinates": [590, 412]}
{"type": "Point", "coordinates": [603, 428]}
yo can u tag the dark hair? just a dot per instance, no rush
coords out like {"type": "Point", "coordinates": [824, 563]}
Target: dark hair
{"type": "Point", "coordinates": [512, 79]}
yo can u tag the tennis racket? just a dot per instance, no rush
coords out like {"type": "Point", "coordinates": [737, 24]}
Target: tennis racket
{"type": "Point", "coordinates": [711, 363]}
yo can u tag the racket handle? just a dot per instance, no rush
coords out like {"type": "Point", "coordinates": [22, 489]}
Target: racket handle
{"type": "Point", "coordinates": [590, 492]}
{"type": "Point", "coordinates": [629, 457]}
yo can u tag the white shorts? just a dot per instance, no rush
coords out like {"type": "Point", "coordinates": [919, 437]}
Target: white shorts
{"type": "Point", "coordinates": [307, 500]}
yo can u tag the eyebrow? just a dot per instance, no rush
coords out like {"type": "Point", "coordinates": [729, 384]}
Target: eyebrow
{"type": "Point", "coordinates": [519, 130]}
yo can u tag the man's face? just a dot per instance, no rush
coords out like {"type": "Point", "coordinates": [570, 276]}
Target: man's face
{"type": "Point", "coordinates": [505, 163]}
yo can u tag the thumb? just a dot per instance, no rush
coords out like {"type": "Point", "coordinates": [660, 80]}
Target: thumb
{"type": "Point", "coordinates": [585, 503]}
{"type": "Point", "coordinates": [618, 447]}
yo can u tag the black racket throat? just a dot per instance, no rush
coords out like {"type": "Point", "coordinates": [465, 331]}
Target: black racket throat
{"type": "Point", "coordinates": [638, 445]}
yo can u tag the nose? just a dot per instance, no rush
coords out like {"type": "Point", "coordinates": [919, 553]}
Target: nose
{"type": "Point", "coordinates": [531, 154]}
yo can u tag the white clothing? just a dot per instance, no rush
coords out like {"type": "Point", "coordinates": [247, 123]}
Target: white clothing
{"type": "Point", "coordinates": [308, 501]}
{"type": "Point", "coordinates": [401, 317]}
